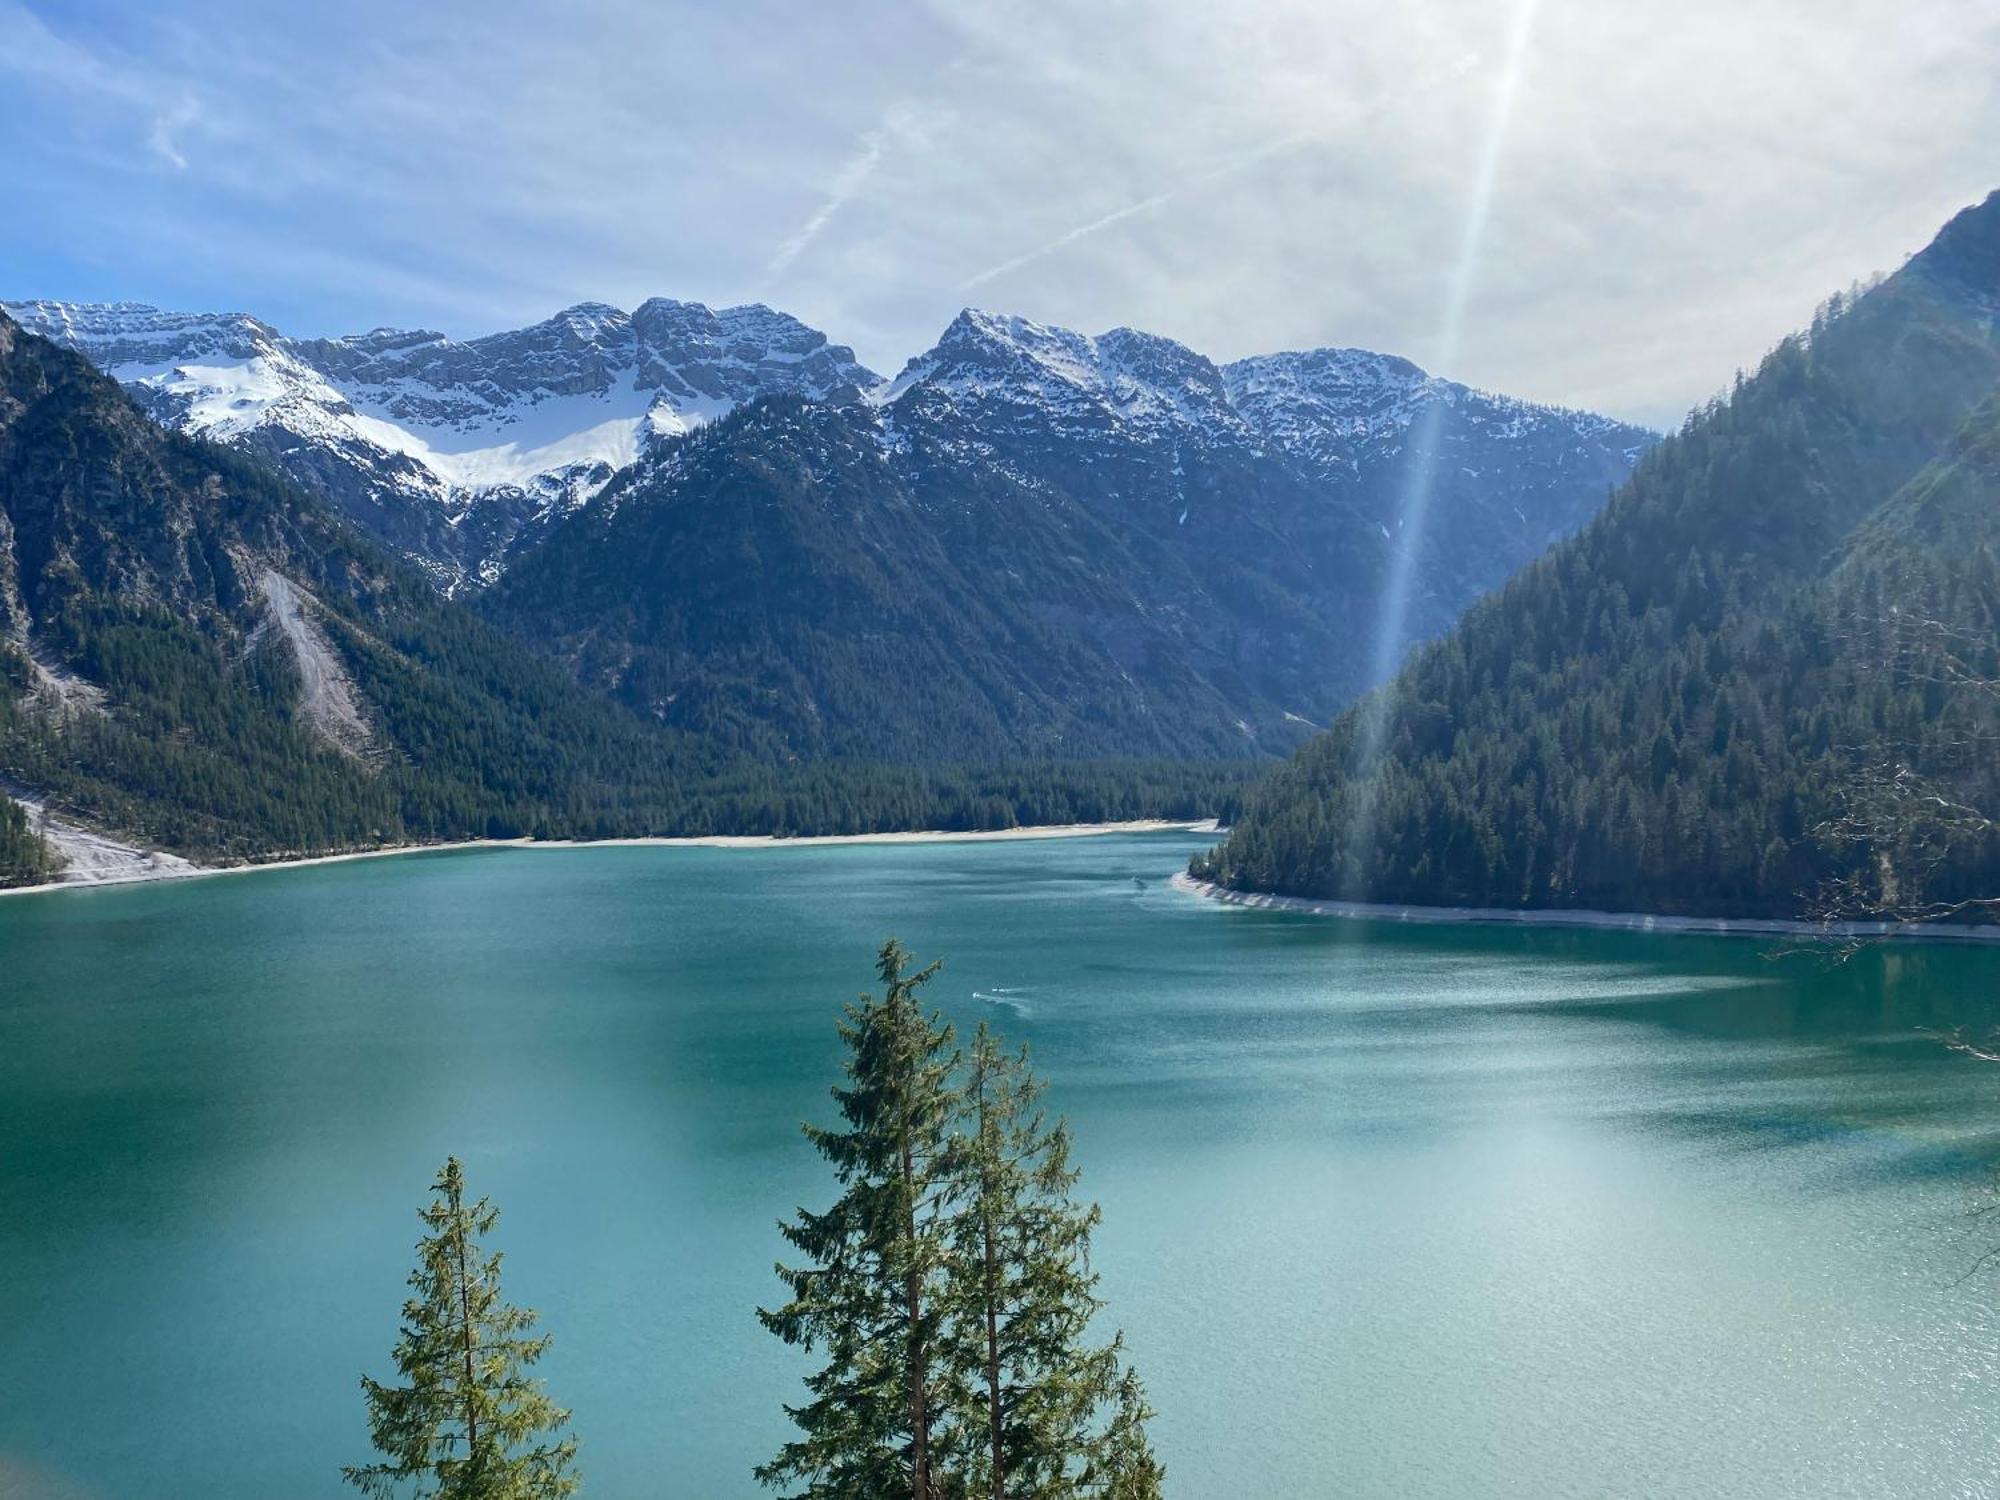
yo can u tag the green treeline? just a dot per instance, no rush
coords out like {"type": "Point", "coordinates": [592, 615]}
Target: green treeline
{"type": "Point", "coordinates": [203, 755]}
{"type": "Point", "coordinates": [1739, 690]}
{"type": "Point", "coordinates": [948, 1291]}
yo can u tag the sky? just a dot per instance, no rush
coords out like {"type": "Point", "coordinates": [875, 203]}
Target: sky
{"type": "Point", "coordinates": [1611, 204]}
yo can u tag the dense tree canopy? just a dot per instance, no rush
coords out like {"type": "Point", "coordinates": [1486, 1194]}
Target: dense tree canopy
{"type": "Point", "coordinates": [1679, 709]}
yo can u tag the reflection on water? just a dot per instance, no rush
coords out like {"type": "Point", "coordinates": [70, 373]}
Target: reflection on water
{"type": "Point", "coordinates": [1389, 1210]}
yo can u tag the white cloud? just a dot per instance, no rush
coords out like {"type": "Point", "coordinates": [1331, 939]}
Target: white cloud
{"type": "Point", "coordinates": [166, 126]}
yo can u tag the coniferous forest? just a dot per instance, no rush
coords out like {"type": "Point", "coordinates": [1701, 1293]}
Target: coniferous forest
{"type": "Point", "coordinates": [1759, 684]}
{"type": "Point", "coordinates": [24, 857]}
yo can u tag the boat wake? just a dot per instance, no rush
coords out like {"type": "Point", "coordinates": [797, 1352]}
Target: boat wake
{"type": "Point", "coordinates": [1005, 995]}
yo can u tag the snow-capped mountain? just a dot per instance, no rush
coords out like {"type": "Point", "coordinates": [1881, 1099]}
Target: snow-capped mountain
{"type": "Point", "coordinates": [1102, 545]}
{"type": "Point", "coordinates": [1336, 408]}
{"type": "Point", "coordinates": [1373, 436]}
{"type": "Point", "coordinates": [453, 451]}
{"type": "Point", "coordinates": [1004, 372]}
{"type": "Point", "coordinates": [1344, 416]}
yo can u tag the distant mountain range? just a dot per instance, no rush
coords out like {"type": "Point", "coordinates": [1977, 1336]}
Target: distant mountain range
{"type": "Point", "coordinates": [1029, 542]}
{"type": "Point", "coordinates": [198, 654]}
{"type": "Point", "coordinates": [1765, 681]}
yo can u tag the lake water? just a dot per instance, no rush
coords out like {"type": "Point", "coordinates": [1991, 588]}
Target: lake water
{"type": "Point", "coordinates": [1388, 1211]}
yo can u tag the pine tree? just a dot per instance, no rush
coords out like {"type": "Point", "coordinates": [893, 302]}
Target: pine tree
{"type": "Point", "coordinates": [469, 1423]}
{"type": "Point", "coordinates": [1031, 1393]}
{"type": "Point", "coordinates": [1123, 1467]}
{"type": "Point", "coordinates": [870, 1294]}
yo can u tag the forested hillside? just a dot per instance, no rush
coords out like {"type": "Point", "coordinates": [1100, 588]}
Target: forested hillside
{"type": "Point", "coordinates": [1758, 683]}
{"type": "Point", "coordinates": [775, 583]}
{"type": "Point", "coordinates": [195, 653]}
{"type": "Point", "coordinates": [1036, 543]}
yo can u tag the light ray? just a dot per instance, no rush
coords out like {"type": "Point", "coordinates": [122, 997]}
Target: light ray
{"type": "Point", "coordinates": [1420, 449]}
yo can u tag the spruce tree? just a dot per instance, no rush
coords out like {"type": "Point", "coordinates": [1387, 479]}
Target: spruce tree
{"type": "Point", "coordinates": [468, 1423]}
{"type": "Point", "coordinates": [1040, 1411]}
{"type": "Point", "coordinates": [869, 1295]}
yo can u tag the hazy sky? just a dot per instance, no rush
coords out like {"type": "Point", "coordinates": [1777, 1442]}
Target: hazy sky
{"type": "Point", "coordinates": [1625, 199]}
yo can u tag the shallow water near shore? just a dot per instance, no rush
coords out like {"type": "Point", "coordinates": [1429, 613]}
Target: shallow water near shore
{"type": "Point", "coordinates": [1389, 1211]}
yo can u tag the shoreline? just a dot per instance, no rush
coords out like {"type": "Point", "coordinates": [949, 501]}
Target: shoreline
{"type": "Point", "coordinates": [155, 875]}
{"type": "Point", "coordinates": [1607, 921]}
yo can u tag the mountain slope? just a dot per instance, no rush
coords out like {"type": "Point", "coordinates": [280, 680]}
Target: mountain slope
{"type": "Point", "coordinates": [1030, 543]}
{"type": "Point", "coordinates": [1321, 447]}
{"type": "Point", "coordinates": [1501, 480]}
{"type": "Point", "coordinates": [193, 651]}
{"type": "Point", "coordinates": [453, 453]}
{"type": "Point", "coordinates": [197, 654]}
{"type": "Point", "coordinates": [779, 582]}
{"type": "Point", "coordinates": [1686, 707]}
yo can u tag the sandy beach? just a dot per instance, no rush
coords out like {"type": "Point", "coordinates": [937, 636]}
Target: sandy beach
{"type": "Point", "coordinates": [1622, 921]}
{"type": "Point", "coordinates": [142, 866]}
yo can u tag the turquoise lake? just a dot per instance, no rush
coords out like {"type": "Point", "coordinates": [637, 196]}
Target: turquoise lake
{"type": "Point", "coordinates": [1389, 1211]}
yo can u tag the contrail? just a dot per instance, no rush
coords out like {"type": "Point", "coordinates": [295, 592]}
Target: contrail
{"type": "Point", "coordinates": [846, 183]}
{"type": "Point", "coordinates": [1420, 471]}
{"type": "Point", "coordinates": [1131, 210]}
{"type": "Point", "coordinates": [1143, 206]}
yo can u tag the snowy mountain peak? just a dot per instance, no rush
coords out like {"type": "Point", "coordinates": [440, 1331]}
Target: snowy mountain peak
{"type": "Point", "coordinates": [592, 321]}
{"type": "Point", "coordinates": [1138, 382]}
{"type": "Point", "coordinates": [487, 436]}
{"type": "Point", "coordinates": [1321, 371]}
{"type": "Point", "coordinates": [1325, 405]}
{"type": "Point", "coordinates": [390, 342]}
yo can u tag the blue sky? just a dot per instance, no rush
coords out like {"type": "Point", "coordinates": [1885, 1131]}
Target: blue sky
{"type": "Point", "coordinates": [1607, 205]}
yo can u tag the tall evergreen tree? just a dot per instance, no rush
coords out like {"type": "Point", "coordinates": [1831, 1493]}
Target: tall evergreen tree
{"type": "Point", "coordinates": [469, 1423]}
{"type": "Point", "coordinates": [870, 1294]}
{"type": "Point", "coordinates": [1037, 1405]}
